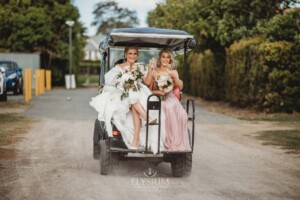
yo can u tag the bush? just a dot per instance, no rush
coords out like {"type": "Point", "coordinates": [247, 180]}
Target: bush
{"type": "Point", "coordinates": [206, 75]}
{"type": "Point", "coordinates": [265, 75]}
{"type": "Point", "coordinates": [242, 66]}
{"type": "Point", "coordinates": [283, 27]}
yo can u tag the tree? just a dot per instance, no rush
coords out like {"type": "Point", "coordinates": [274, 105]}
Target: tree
{"type": "Point", "coordinates": [39, 26]}
{"type": "Point", "coordinates": [215, 23]}
{"type": "Point", "coordinates": [108, 15]}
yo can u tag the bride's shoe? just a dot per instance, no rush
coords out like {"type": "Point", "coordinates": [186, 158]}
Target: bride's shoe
{"type": "Point", "coordinates": [134, 147]}
{"type": "Point", "coordinates": [152, 122]}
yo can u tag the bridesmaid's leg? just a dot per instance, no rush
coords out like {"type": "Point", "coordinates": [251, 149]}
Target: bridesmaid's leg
{"type": "Point", "coordinates": [137, 128]}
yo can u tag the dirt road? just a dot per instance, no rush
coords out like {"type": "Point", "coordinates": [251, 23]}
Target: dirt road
{"type": "Point", "coordinates": [55, 160]}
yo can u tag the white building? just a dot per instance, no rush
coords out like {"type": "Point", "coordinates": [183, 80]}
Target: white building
{"type": "Point", "coordinates": [91, 48]}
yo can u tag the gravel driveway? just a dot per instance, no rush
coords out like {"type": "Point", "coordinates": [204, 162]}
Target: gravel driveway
{"type": "Point", "coordinates": [55, 160]}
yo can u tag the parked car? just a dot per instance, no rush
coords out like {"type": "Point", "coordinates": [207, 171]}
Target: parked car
{"type": "Point", "coordinates": [3, 96]}
{"type": "Point", "coordinates": [14, 77]}
{"type": "Point", "coordinates": [110, 147]}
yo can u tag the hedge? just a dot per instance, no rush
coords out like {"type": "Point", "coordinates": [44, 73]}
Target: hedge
{"type": "Point", "coordinates": [263, 75]}
{"type": "Point", "coordinates": [206, 75]}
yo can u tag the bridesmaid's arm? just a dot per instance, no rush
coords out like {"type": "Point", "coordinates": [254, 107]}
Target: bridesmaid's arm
{"type": "Point", "coordinates": [149, 77]}
{"type": "Point", "coordinates": [176, 79]}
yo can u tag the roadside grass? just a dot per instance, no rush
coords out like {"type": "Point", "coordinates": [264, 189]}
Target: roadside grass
{"type": "Point", "coordinates": [288, 139]}
{"type": "Point", "coordinates": [90, 80]}
{"type": "Point", "coordinates": [12, 129]}
{"type": "Point", "coordinates": [13, 104]}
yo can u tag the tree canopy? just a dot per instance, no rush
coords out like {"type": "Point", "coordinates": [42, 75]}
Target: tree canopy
{"type": "Point", "coordinates": [108, 15]}
{"type": "Point", "coordinates": [38, 26]}
{"type": "Point", "coordinates": [215, 23]}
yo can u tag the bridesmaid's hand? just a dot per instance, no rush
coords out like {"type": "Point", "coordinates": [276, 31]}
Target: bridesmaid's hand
{"type": "Point", "coordinates": [152, 65]}
{"type": "Point", "coordinates": [159, 92]}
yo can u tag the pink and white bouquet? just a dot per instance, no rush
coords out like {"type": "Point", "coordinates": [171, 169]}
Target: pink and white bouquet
{"type": "Point", "coordinates": [129, 79]}
{"type": "Point", "coordinates": [165, 83]}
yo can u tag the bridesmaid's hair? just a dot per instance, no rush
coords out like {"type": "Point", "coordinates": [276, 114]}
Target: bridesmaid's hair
{"type": "Point", "coordinates": [172, 62]}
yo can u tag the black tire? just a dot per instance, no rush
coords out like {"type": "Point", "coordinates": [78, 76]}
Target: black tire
{"type": "Point", "coordinates": [104, 159]}
{"type": "Point", "coordinates": [17, 88]}
{"type": "Point", "coordinates": [21, 87]}
{"type": "Point", "coordinates": [177, 165]}
{"type": "Point", "coordinates": [188, 164]}
{"type": "Point", "coordinates": [97, 137]}
{"type": "Point", "coordinates": [4, 97]}
{"type": "Point", "coordinates": [97, 132]}
{"type": "Point", "coordinates": [96, 151]}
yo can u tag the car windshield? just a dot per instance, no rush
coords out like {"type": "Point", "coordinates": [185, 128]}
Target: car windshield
{"type": "Point", "coordinates": [7, 66]}
{"type": "Point", "coordinates": [145, 55]}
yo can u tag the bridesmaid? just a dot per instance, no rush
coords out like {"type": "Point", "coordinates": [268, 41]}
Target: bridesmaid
{"type": "Point", "coordinates": [176, 122]}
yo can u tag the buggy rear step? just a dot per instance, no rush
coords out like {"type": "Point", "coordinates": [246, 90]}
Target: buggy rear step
{"type": "Point", "coordinates": [143, 152]}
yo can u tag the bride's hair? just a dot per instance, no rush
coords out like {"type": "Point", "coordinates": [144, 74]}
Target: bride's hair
{"type": "Point", "coordinates": [172, 61]}
{"type": "Point", "coordinates": [128, 48]}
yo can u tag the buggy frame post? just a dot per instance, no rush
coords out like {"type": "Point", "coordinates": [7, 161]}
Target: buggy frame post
{"type": "Point", "coordinates": [108, 60]}
{"type": "Point", "coordinates": [191, 118]}
{"type": "Point", "coordinates": [102, 69]}
{"type": "Point", "coordinates": [153, 105]}
{"type": "Point", "coordinates": [185, 66]}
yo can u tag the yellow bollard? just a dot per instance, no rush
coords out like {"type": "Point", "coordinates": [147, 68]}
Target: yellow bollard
{"type": "Point", "coordinates": [42, 81]}
{"type": "Point", "coordinates": [26, 81]}
{"type": "Point", "coordinates": [30, 84]}
{"type": "Point", "coordinates": [48, 80]}
{"type": "Point", "coordinates": [37, 82]}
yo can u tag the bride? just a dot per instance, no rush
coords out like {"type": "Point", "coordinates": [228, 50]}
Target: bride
{"type": "Point", "coordinates": [124, 103]}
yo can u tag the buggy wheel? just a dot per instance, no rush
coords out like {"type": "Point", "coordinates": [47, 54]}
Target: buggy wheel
{"type": "Point", "coordinates": [177, 165]}
{"type": "Point", "coordinates": [21, 87]}
{"type": "Point", "coordinates": [96, 151]}
{"type": "Point", "coordinates": [96, 139]}
{"type": "Point", "coordinates": [104, 158]}
{"type": "Point", "coordinates": [188, 164]}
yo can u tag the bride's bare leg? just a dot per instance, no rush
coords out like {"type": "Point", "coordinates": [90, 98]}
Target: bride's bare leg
{"type": "Point", "coordinates": [139, 108]}
{"type": "Point", "coordinates": [137, 127]}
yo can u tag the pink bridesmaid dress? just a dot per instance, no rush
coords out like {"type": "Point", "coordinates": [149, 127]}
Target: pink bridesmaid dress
{"type": "Point", "coordinates": [176, 124]}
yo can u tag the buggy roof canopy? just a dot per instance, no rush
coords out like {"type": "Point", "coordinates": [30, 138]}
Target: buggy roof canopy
{"type": "Point", "coordinates": [174, 40]}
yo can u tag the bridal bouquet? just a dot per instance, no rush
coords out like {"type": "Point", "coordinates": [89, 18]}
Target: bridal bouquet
{"type": "Point", "coordinates": [164, 83]}
{"type": "Point", "coordinates": [129, 79]}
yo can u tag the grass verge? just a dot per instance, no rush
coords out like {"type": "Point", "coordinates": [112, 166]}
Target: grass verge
{"type": "Point", "coordinates": [287, 139]}
{"type": "Point", "coordinates": [12, 129]}
{"type": "Point", "coordinates": [90, 80]}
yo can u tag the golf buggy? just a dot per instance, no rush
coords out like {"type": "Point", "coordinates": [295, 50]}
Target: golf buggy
{"type": "Point", "coordinates": [110, 147]}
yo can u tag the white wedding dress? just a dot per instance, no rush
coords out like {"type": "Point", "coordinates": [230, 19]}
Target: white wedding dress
{"type": "Point", "coordinates": [110, 107]}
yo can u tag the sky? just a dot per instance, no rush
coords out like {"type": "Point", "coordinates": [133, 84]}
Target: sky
{"type": "Point", "coordinates": [85, 8]}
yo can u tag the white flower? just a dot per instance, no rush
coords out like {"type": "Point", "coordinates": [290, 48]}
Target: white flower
{"type": "Point", "coordinates": [128, 80]}
{"type": "Point", "coordinates": [164, 83]}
